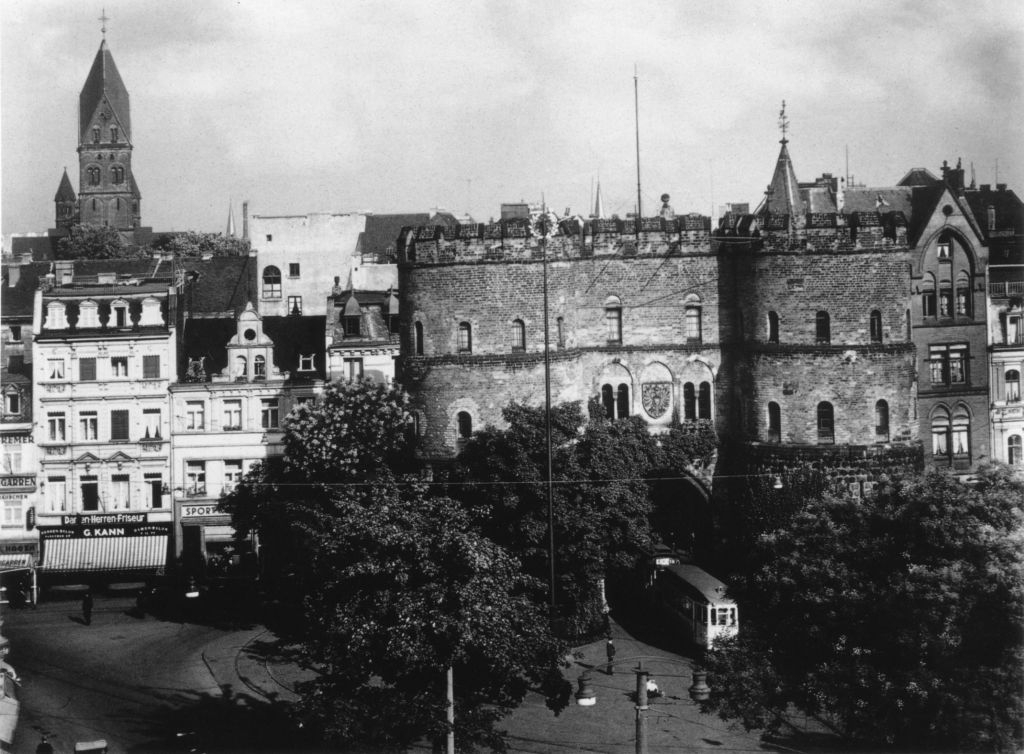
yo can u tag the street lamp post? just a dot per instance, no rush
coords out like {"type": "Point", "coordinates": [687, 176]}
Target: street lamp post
{"type": "Point", "coordinates": [585, 697]}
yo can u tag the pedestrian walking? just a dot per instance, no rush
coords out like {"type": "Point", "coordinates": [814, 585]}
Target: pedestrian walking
{"type": "Point", "coordinates": [87, 608]}
{"type": "Point", "coordinates": [609, 650]}
{"type": "Point", "coordinates": [606, 625]}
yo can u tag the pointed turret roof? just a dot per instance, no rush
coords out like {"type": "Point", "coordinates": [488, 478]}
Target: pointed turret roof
{"type": "Point", "coordinates": [104, 82]}
{"type": "Point", "coordinates": [64, 192]}
{"type": "Point", "coordinates": [785, 190]}
{"type": "Point", "coordinates": [598, 204]}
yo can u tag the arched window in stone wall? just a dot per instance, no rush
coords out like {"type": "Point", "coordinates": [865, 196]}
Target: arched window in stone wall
{"type": "Point", "coordinates": [1012, 381]}
{"type": "Point", "coordinates": [694, 332]}
{"type": "Point", "coordinates": [465, 337]}
{"type": "Point", "coordinates": [881, 421]}
{"type": "Point", "coordinates": [615, 400]}
{"type": "Point", "coordinates": [940, 433]}
{"type": "Point", "coordinates": [417, 334]}
{"type": "Point", "coordinates": [117, 174]}
{"type": "Point", "coordinates": [613, 319]}
{"type": "Point", "coordinates": [960, 439]}
{"type": "Point", "coordinates": [689, 402]}
{"type": "Point", "coordinates": [93, 174]}
{"type": "Point", "coordinates": [928, 305]}
{"type": "Point", "coordinates": [1014, 450]}
{"type": "Point", "coordinates": [465, 428]}
{"type": "Point", "coordinates": [622, 401]}
{"type": "Point", "coordinates": [704, 401]}
{"type": "Point", "coordinates": [875, 326]}
{"type": "Point", "coordinates": [963, 295]}
{"type": "Point", "coordinates": [240, 371]}
{"type": "Point", "coordinates": [560, 332]}
{"type": "Point", "coordinates": [774, 422]}
{"type": "Point", "coordinates": [822, 328]}
{"type": "Point", "coordinates": [773, 327]}
{"type": "Point", "coordinates": [826, 424]}
{"type": "Point", "coordinates": [271, 282]}
{"type": "Point", "coordinates": [518, 335]}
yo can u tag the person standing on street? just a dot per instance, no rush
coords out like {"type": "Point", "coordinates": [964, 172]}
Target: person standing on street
{"type": "Point", "coordinates": [87, 608]}
{"type": "Point", "coordinates": [44, 747]}
{"type": "Point", "coordinates": [609, 650]}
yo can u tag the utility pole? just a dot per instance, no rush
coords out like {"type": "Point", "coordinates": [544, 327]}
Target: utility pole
{"type": "Point", "coordinates": [636, 111]}
{"type": "Point", "coordinates": [547, 415]}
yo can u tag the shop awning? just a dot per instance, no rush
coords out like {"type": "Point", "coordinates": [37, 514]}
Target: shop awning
{"type": "Point", "coordinates": [105, 553]}
{"type": "Point", "coordinates": [16, 562]}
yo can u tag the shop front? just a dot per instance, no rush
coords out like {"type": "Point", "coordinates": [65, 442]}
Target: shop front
{"type": "Point", "coordinates": [104, 547]}
{"type": "Point", "coordinates": [210, 548]}
{"type": "Point", "coordinates": [18, 560]}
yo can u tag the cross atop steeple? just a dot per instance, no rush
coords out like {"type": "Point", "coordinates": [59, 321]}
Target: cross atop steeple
{"type": "Point", "coordinates": [103, 20]}
{"type": "Point", "coordinates": [783, 123]}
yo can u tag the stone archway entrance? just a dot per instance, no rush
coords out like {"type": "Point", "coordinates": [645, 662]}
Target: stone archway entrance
{"type": "Point", "coordinates": [681, 513]}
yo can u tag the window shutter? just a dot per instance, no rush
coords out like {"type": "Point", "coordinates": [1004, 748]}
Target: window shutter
{"type": "Point", "coordinates": [119, 424]}
{"type": "Point", "coordinates": [87, 369]}
{"type": "Point", "coordinates": [151, 367]}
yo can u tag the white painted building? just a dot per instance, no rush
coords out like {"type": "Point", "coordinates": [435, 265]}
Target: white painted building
{"type": "Point", "coordinates": [103, 358]}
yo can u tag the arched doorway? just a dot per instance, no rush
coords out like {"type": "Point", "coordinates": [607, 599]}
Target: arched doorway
{"type": "Point", "coordinates": [681, 513]}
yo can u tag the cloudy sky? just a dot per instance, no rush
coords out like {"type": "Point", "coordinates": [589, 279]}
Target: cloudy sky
{"type": "Point", "coordinates": [327, 106]}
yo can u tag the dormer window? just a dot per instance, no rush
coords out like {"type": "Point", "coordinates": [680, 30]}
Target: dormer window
{"type": "Point", "coordinates": [352, 317]}
{"type": "Point", "coordinates": [942, 250]}
{"type": "Point", "coordinates": [306, 362]}
{"type": "Point", "coordinates": [259, 368]}
{"type": "Point", "coordinates": [113, 133]}
{"type": "Point", "coordinates": [96, 136]}
{"type": "Point", "coordinates": [120, 313]}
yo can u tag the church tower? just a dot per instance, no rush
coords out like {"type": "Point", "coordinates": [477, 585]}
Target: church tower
{"type": "Point", "coordinates": [108, 194]}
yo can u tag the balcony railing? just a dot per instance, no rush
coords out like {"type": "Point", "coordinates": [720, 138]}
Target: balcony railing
{"type": "Point", "coordinates": [1006, 289]}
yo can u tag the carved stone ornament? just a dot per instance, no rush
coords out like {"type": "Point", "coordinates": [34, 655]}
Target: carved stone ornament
{"type": "Point", "coordinates": [656, 398]}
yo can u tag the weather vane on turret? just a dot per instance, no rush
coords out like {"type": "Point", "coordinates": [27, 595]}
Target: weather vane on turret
{"type": "Point", "coordinates": [103, 19]}
{"type": "Point", "coordinates": [783, 123]}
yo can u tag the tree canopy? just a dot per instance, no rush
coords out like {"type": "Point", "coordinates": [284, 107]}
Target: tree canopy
{"type": "Point", "coordinates": [389, 585]}
{"type": "Point", "coordinates": [601, 496]}
{"type": "Point", "coordinates": [197, 244]}
{"type": "Point", "coordinates": [94, 242]}
{"type": "Point", "coordinates": [896, 618]}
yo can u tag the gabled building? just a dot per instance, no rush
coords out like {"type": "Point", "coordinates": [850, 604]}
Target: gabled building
{"type": "Point", "coordinates": [362, 334]}
{"type": "Point", "coordinates": [1000, 214]}
{"type": "Point", "coordinates": [239, 375]}
{"type": "Point", "coordinates": [19, 480]}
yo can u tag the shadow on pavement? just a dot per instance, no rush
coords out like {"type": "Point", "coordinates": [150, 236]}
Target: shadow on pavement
{"type": "Point", "coordinates": [227, 723]}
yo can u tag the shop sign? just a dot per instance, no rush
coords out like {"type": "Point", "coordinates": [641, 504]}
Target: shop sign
{"type": "Point", "coordinates": [104, 519]}
{"type": "Point", "coordinates": [15, 439]}
{"type": "Point", "coordinates": [19, 548]}
{"type": "Point", "coordinates": [9, 482]}
{"type": "Point", "coordinates": [194, 511]}
{"type": "Point", "coordinates": [95, 532]}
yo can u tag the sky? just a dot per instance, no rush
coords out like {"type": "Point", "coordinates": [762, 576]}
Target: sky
{"type": "Point", "coordinates": [350, 105]}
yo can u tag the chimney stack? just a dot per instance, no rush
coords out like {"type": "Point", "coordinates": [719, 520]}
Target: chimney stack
{"type": "Point", "coordinates": [245, 221]}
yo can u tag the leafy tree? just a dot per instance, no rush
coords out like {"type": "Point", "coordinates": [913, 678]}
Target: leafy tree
{"type": "Point", "coordinates": [386, 586]}
{"type": "Point", "coordinates": [94, 242]}
{"type": "Point", "coordinates": [408, 588]}
{"type": "Point", "coordinates": [601, 497]}
{"type": "Point", "coordinates": [896, 618]}
{"type": "Point", "coordinates": [195, 244]}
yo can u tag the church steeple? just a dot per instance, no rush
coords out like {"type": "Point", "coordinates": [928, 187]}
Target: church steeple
{"type": "Point", "coordinates": [108, 194]}
{"type": "Point", "coordinates": [67, 203]}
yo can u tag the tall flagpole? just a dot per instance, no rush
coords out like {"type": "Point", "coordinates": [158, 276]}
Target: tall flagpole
{"type": "Point", "coordinates": [636, 111]}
